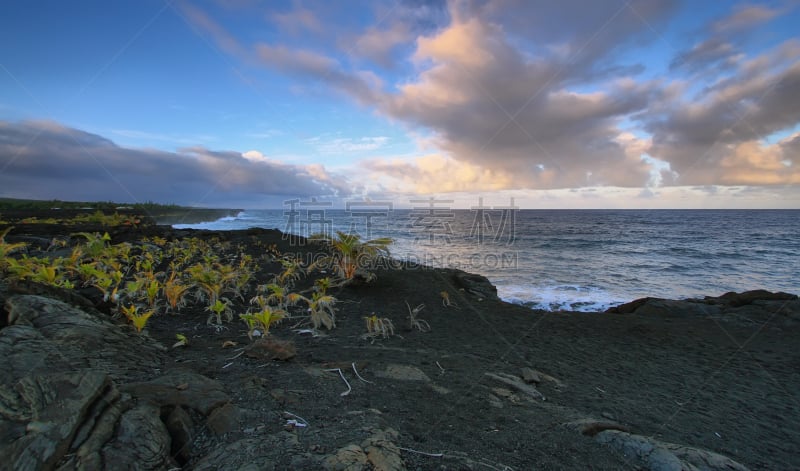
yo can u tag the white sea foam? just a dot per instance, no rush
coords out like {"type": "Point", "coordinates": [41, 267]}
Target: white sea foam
{"type": "Point", "coordinates": [559, 297]}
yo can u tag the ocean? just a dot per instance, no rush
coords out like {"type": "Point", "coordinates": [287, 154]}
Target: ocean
{"type": "Point", "coordinates": [581, 260]}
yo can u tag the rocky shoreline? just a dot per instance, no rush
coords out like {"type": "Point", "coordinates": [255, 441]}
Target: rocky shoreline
{"type": "Point", "coordinates": [653, 384]}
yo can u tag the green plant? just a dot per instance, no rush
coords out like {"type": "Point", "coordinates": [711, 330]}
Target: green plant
{"type": "Point", "coordinates": [6, 248]}
{"type": "Point", "coordinates": [183, 341]}
{"type": "Point", "coordinates": [262, 320]}
{"type": "Point", "coordinates": [139, 320]}
{"type": "Point", "coordinates": [175, 291]}
{"type": "Point", "coordinates": [322, 284]}
{"type": "Point", "coordinates": [292, 271]}
{"type": "Point", "coordinates": [219, 307]}
{"type": "Point", "coordinates": [320, 307]}
{"type": "Point", "coordinates": [151, 292]}
{"type": "Point", "coordinates": [276, 296]}
{"type": "Point", "coordinates": [213, 280]}
{"type": "Point", "coordinates": [350, 255]}
{"type": "Point", "coordinates": [96, 244]}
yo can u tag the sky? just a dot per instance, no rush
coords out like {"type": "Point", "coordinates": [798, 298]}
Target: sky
{"type": "Point", "coordinates": [250, 104]}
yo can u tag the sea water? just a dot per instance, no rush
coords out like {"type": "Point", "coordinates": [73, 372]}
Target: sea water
{"type": "Point", "coordinates": [583, 260]}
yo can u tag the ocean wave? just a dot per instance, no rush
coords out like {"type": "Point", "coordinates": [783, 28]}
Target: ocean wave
{"type": "Point", "coordinates": [559, 297]}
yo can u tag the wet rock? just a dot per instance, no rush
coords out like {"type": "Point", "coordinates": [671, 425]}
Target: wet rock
{"type": "Point", "coordinates": [142, 438]}
{"type": "Point", "coordinates": [41, 414]}
{"type": "Point", "coordinates": [46, 334]}
{"type": "Point", "coordinates": [592, 427]}
{"type": "Point", "coordinates": [666, 307]}
{"type": "Point", "coordinates": [251, 453]}
{"type": "Point", "coordinates": [477, 285]}
{"type": "Point", "coordinates": [749, 297]}
{"type": "Point", "coordinates": [517, 384]}
{"type": "Point", "coordinates": [180, 427]}
{"type": "Point", "coordinates": [224, 419]}
{"type": "Point", "coordinates": [381, 451]}
{"type": "Point", "coordinates": [378, 452]}
{"type": "Point", "coordinates": [662, 456]}
{"type": "Point", "coordinates": [348, 458]}
{"type": "Point", "coordinates": [181, 388]}
{"type": "Point", "coordinates": [403, 373]}
{"type": "Point", "coordinates": [530, 376]}
{"type": "Point", "coordinates": [271, 349]}
{"type": "Point", "coordinates": [59, 403]}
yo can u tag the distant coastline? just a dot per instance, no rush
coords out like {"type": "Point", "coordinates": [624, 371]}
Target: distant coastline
{"type": "Point", "coordinates": [16, 210]}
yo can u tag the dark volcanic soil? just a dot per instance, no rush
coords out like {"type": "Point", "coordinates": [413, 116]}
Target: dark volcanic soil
{"type": "Point", "coordinates": [731, 387]}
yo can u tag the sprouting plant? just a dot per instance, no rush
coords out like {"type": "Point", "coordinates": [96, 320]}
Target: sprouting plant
{"type": "Point", "coordinates": [7, 248]}
{"type": "Point", "coordinates": [213, 281]}
{"type": "Point", "coordinates": [320, 307]}
{"type": "Point", "coordinates": [175, 291]}
{"type": "Point", "coordinates": [56, 243]}
{"type": "Point", "coordinates": [379, 326]}
{"type": "Point", "coordinates": [151, 292]}
{"type": "Point", "coordinates": [47, 274]}
{"type": "Point", "coordinates": [139, 320]}
{"type": "Point", "coordinates": [262, 320]}
{"type": "Point", "coordinates": [446, 299]}
{"type": "Point", "coordinates": [104, 282]}
{"type": "Point", "coordinates": [134, 287]}
{"type": "Point", "coordinates": [20, 269]}
{"type": "Point", "coordinates": [219, 307]}
{"type": "Point", "coordinates": [95, 244]}
{"type": "Point", "coordinates": [240, 280]}
{"type": "Point", "coordinates": [86, 271]}
{"type": "Point", "coordinates": [419, 324]}
{"type": "Point", "coordinates": [183, 341]}
{"type": "Point", "coordinates": [350, 255]}
{"type": "Point", "coordinates": [322, 311]}
{"type": "Point", "coordinates": [322, 284]}
{"type": "Point", "coordinates": [276, 295]}
{"type": "Point", "coordinates": [292, 270]}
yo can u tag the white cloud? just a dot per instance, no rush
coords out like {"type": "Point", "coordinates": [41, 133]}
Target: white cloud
{"type": "Point", "coordinates": [529, 95]}
{"type": "Point", "coordinates": [349, 145]}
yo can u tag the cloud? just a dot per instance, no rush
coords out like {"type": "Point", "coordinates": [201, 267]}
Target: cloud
{"type": "Point", "coordinates": [744, 18]}
{"type": "Point", "coordinates": [309, 64]}
{"type": "Point", "coordinates": [520, 94]}
{"type": "Point", "coordinates": [47, 160]}
{"type": "Point", "coordinates": [430, 174]}
{"type": "Point", "coordinates": [398, 26]}
{"type": "Point", "coordinates": [349, 145]}
{"type": "Point", "coordinates": [378, 45]}
{"type": "Point", "coordinates": [298, 20]}
{"type": "Point", "coordinates": [722, 48]}
{"type": "Point", "coordinates": [492, 105]}
{"type": "Point", "coordinates": [199, 18]}
{"type": "Point", "coordinates": [718, 136]}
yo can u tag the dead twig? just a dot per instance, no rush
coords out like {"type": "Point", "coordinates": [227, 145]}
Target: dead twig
{"type": "Point", "coordinates": [419, 324]}
{"type": "Point", "coordinates": [297, 417]}
{"type": "Point", "coordinates": [349, 388]}
{"type": "Point", "coordinates": [358, 375]}
{"type": "Point", "coordinates": [433, 455]}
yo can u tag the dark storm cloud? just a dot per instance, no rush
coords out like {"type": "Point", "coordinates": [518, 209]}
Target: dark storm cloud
{"type": "Point", "coordinates": [47, 160]}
